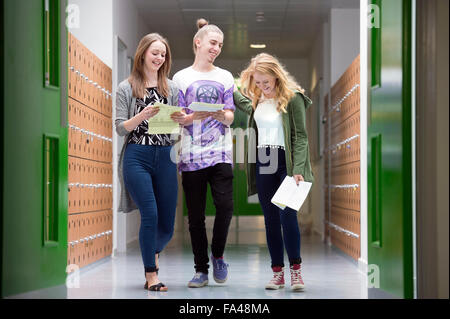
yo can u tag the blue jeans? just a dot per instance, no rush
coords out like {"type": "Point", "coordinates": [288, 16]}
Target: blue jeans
{"type": "Point", "coordinates": [282, 229]}
{"type": "Point", "coordinates": [150, 177]}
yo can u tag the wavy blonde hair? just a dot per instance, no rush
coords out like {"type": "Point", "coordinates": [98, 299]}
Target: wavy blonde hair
{"type": "Point", "coordinates": [285, 84]}
{"type": "Point", "coordinates": [137, 77]}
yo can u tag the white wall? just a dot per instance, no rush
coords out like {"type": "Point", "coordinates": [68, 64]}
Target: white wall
{"type": "Point", "coordinates": [319, 65]}
{"type": "Point", "coordinates": [129, 27]}
{"type": "Point", "coordinates": [326, 58]}
{"type": "Point", "coordinates": [94, 32]}
{"type": "Point", "coordinates": [344, 30]}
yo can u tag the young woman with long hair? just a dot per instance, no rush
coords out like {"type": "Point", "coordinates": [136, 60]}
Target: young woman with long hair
{"type": "Point", "coordinates": [277, 108]}
{"type": "Point", "coordinates": [148, 176]}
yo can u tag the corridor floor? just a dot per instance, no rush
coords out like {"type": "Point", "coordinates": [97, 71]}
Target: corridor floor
{"type": "Point", "coordinates": [327, 273]}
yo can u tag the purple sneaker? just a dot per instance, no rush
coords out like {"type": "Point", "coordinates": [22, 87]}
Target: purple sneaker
{"type": "Point", "coordinates": [200, 280]}
{"type": "Point", "coordinates": [220, 269]}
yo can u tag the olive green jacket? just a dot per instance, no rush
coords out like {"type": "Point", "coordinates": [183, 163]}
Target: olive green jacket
{"type": "Point", "coordinates": [295, 139]}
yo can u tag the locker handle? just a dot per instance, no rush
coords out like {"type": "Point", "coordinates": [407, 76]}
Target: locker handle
{"type": "Point", "coordinates": [376, 208]}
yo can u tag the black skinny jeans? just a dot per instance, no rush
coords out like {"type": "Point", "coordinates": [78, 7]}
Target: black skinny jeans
{"type": "Point", "coordinates": [220, 178]}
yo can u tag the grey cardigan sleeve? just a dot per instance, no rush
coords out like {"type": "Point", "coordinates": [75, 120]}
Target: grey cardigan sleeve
{"type": "Point", "coordinates": [124, 101]}
{"type": "Point", "coordinates": [174, 92]}
{"type": "Point", "coordinates": [123, 105]}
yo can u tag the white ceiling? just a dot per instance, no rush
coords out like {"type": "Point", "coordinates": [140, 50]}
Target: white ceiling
{"type": "Point", "coordinates": [289, 29]}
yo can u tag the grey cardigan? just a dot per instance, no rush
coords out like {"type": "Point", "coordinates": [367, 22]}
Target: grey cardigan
{"type": "Point", "coordinates": [125, 109]}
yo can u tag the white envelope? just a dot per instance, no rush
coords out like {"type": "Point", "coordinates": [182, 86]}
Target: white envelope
{"type": "Point", "coordinates": [291, 195]}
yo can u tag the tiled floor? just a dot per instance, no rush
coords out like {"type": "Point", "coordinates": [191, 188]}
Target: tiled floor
{"type": "Point", "coordinates": [327, 273]}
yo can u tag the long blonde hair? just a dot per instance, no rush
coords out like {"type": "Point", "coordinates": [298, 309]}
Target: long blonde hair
{"type": "Point", "coordinates": [204, 28]}
{"type": "Point", "coordinates": [285, 84]}
{"type": "Point", "coordinates": [137, 77]}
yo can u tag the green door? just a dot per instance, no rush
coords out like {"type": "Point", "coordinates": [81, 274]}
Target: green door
{"type": "Point", "coordinates": [34, 198]}
{"type": "Point", "coordinates": [389, 150]}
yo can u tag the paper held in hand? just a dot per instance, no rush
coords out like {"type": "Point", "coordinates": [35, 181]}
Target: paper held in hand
{"type": "Point", "coordinates": [161, 123]}
{"type": "Point", "coordinates": [291, 195]}
{"type": "Point", "coordinates": [205, 107]}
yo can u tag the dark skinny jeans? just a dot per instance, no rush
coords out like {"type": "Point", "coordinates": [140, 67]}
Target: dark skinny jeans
{"type": "Point", "coordinates": [282, 230]}
{"type": "Point", "coordinates": [220, 178]}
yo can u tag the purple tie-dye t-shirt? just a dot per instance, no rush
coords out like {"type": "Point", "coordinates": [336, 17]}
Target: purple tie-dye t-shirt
{"type": "Point", "coordinates": [208, 142]}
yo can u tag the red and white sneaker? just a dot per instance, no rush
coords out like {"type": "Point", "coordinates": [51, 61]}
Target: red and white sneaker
{"type": "Point", "coordinates": [297, 283]}
{"type": "Point", "coordinates": [277, 281]}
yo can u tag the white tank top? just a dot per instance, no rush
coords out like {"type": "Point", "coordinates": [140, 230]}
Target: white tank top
{"type": "Point", "coordinates": [269, 123]}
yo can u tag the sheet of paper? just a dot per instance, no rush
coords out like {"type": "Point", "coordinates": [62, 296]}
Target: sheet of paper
{"type": "Point", "coordinates": [205, 107]}
{"type": "Point", "coordinates": [161, 123]}
{"type": "Point", "coordinates": [291, 195]}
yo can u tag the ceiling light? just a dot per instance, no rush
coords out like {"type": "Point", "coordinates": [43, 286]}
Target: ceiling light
{"type": "Point", "coordinates": [260, 16]}
{"type": "Point", "coordinates": [257, 46]}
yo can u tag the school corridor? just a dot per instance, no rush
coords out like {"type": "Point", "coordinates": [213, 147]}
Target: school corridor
{"type": "Point", "coordinates": [375, 223]}
{"type": "Point", "coordinates": [330, 274]}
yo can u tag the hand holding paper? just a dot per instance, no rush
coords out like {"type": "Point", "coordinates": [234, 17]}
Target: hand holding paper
{"type": "Point", "coordinates": [291, 195]}
{"type": "Point", "coordinates": [161, 123]}
{"type": "Point", "coordinates": [219, 115]}
{"type": "Point", "coordinates": [200, 115]}
{"type": "Point", "coordinates": [298, 178]}
{"type": "Point", "coordinates": [149, 112]}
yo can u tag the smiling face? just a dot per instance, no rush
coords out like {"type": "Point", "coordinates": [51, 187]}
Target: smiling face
{"type": "Point", "coordinates": [155, 56]}
{"type": "Point", "coordinates": [266, 83]}
{"type": "Point", "coordinates": [210, 46]}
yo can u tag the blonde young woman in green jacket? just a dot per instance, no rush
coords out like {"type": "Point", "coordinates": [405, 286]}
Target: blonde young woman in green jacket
{"type": "Point", "coordinates": [277, 108]}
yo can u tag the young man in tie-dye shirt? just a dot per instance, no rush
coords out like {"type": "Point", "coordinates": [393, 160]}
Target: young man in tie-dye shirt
{"type": "Point", "coordinates": [206, 152]}
{"type": "Point", "coordinates": [206, 142]}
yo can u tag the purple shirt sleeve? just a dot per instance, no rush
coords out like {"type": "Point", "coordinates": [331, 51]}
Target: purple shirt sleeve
{"type": "Point", "coordinates": [181, 99]}
{"type": "Point", "coordinates": [228, 99]}
{"type": "Point", "coordinates": [182, 102]}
